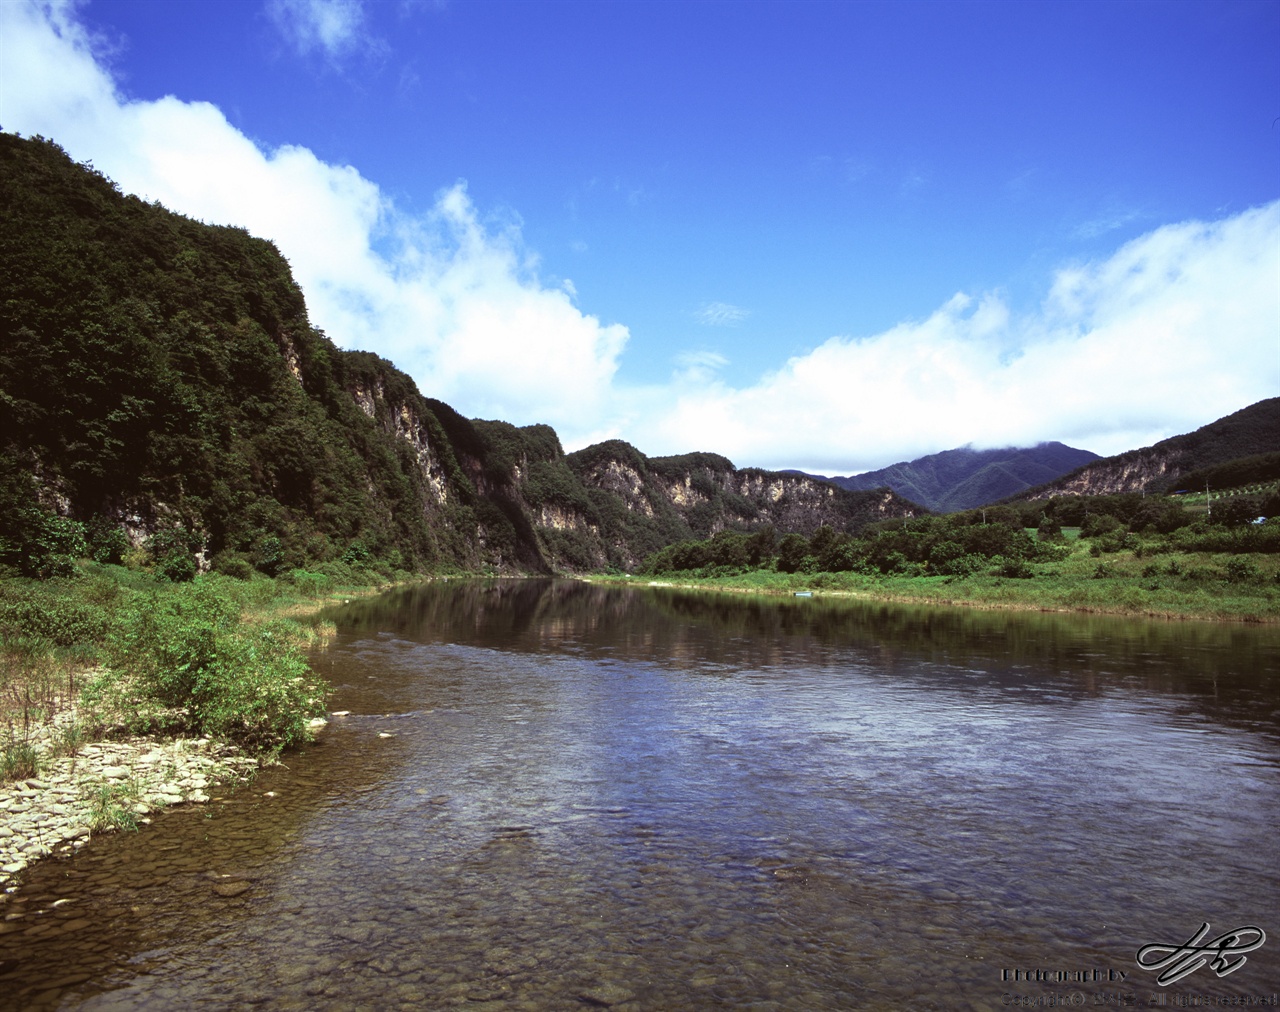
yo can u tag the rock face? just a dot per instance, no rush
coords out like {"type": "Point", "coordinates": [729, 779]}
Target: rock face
{"type": "Point", "coordinates": [609, 504]}
{"type": "Point", "coordinates": [1130, 472]}
{"type": "Point", "coordinates": [161, 377]}
{"type": "Point", "coordinates": [1249, 432]}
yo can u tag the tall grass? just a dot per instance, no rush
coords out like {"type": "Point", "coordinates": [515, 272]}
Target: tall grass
{"type": "Point", "coordinates": [216, 656]}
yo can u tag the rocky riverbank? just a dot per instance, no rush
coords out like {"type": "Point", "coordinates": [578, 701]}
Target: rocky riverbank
{"type": "Point", "coordinates": [102, 786]}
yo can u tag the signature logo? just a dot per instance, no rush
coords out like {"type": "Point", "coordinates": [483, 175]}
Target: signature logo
{"type": "Point", "coordinates": [1177, 961]}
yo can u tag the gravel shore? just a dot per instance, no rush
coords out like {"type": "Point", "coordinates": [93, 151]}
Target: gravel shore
{"type": "Point", "coordinates": [60, 810]}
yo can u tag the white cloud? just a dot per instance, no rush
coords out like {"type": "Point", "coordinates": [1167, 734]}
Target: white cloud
{"type": "Point", "coordinates": [695, 368]}
{"type": "Point", "coordinates": [1179, 327]}
{"type": "Point", "coordinates": [1176, 328]}
{"type": "Point", "coordinates": [456, 304]}
{"type": "Point", "coordinates": [330, 28]}
{"type": "Point", "coordinates": [720, 314]}
{"type": "Point", "coordinates": [1104, 223]}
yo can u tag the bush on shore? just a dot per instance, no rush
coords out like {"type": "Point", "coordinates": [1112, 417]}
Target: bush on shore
{"type": "Point", "coordinates": [186, 660]}
{"type": "Point", "coordinates": [212, 656]}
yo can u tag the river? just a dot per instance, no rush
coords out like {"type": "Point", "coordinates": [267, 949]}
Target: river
{"type": "Point", "coordinates": [552, 795]}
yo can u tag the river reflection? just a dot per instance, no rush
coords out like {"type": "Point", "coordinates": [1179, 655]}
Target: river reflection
{"type": "Point", "coordinates": [550, 795]}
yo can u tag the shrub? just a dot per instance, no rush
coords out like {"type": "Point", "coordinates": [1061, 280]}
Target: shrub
{"type": "Point", "coordinates": [1049, 528]}
{"type": "Point", "coordinates": [232, 564]}
{"type": "Point", "coordinates": [1099, 523]}
{"type": "Point", "coordinates": [51, 616]}
{"type": "Point", "coordinates": [176, 565]}
{"type": "Point", "coordinates": [171, 549]}
{"type": "Point", "coordinates": [309, 583]}
{"type": "Point", "coordinates": [188, 654]}
{"type": "Point", "coordinates": [1242, 571]}
{"type": "Point", "coordinates": [268, 554]}
{"type": "Point", "coordinates": [964, 565]}
{"type": "Point", "coordinates": [1015, 569]}
{"type": "Point", "coordinates": [107, 542]}
{"type": "Point", "coordinates": [18, 760]}
{"type": "Point", "coordinates": [356, 554]}
{"type": "Point", "coordinates": [792, 551]}
{"type": "Point", "coordinates": [38, 542]}
{"type": "Point", "coordinates": [114, 806]}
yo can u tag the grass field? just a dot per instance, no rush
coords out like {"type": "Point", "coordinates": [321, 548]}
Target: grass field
{"type": "Point", "coordinates": [1170, 585]}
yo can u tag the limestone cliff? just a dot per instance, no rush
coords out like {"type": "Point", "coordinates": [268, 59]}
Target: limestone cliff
{"type": "Point", "coordinates": [1251, 431]}
{"type": "Point", "coordinates": [161, 384]}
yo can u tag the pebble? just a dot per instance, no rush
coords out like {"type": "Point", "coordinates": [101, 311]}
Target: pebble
{"type": "Point", "coordinates": [230, 889]}
{"type": "Point", "coordinates": [606, 995]}
{"type": "Point", "coordinates": [53, 814]}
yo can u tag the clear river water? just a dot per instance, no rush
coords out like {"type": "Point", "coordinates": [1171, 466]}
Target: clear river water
{"type": "Point", "coordinates": [553, 795]}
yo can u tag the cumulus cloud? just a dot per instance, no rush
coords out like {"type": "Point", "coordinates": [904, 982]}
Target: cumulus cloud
{"type": "Point", "coordinates": [720, 314]}
{"type": "Point", "coordinates": [1178, 327]}
{"type": "Point", "coordinates": [333, 29]}
{"type": "Point", "coordinates": [456, 303]}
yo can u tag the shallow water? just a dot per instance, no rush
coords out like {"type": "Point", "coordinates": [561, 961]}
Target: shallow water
{"type": "Point", "coordinates": [556, 796]}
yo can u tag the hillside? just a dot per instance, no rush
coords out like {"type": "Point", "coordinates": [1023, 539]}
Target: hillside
{"type": "Point", "coordinates": [963, 478]}
{"type": "Point", "coordinates": [164, 395]}
{"type": "Point", "coordinates": [644, 503]}
{"type": "Point", "coordinates": [1183, 461]}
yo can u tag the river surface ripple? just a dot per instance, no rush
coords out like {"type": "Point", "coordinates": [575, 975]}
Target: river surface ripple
{"type": "Point", "coordinates": [550, 795]}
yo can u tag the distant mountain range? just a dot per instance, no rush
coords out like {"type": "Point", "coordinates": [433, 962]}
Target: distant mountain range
{"type": "Point", "coordinates": [964, 478]}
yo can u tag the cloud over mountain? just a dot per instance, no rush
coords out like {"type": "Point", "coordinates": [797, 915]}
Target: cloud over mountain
{"type": "Point", "coordinates": [1173, 329]}
{"type": "Point", "coordinates": [1178, 325]}
{"type": "Point", "coordinates": [450, 299]}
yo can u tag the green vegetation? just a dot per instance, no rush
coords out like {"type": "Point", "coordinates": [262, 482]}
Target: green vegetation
{"type": "Point", "coordinates": [114, 806]}
{"type": "Point", "coordinates": [164, 399]}
{"type": "Point", "coordinates": [1130, 554]}
{"type": "Point", "coordinates": [1253, 473]}
{"type": "Point", "coordinates": [161, 387]}
{"type": "Point", "coordinates": [134, 652]}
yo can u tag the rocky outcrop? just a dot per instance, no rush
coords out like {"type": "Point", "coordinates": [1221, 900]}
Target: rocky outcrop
{"type": "Point", "coordinates": [1248, 432]}
{"type": "Point", "coordinates": [172, 389]}
{"type": "Point", "coordinates": [103, 785]}
{"type": "Point", "coordinates": [1131, 472]}
{"type": "Point", "coordinates": [631, 505]}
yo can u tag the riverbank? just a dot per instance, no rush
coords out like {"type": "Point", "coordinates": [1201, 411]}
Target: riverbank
{"type": "Point", "coordinates": [1174, 589]}
{"type": "Point", "coordinates": [105, 786]}
{"type": "Point", "coordinates": [95, 730]}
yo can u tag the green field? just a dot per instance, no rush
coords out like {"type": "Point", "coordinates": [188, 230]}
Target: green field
{"type": "Point", "coordinates": [1169, 585]}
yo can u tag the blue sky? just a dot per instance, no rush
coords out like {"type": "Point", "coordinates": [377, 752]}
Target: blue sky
{"type": "Point", "coordinates": [827, 236]}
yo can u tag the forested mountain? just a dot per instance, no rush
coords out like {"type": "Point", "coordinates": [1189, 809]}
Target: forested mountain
{"type": "Point", "coordinates": [162, 391]}
{"type": "Point", "coordinates": [1236, 450]}
{"type": "Point", "coordinates": [963, 478]}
